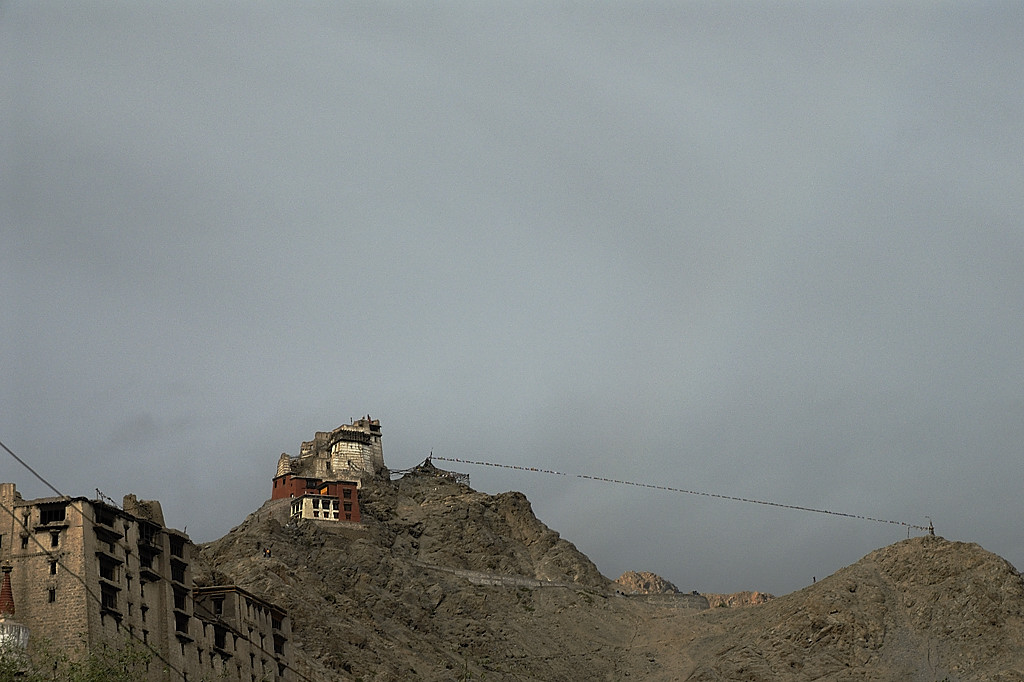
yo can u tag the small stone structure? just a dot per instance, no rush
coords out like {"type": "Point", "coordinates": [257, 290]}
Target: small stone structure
{"type": "Point", "coordinates": [427, 468]}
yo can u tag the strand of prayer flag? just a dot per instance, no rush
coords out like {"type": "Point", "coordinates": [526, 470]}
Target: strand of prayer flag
{"type": "Point", "coordinates": [681, 490]}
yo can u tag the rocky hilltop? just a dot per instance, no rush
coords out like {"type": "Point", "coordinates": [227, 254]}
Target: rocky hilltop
{"type": "Point", "coordinates": [441, 582]}
{"type": "Point", "coordinates": [644, 582]}
{"type": "Point", "coordinates": [923, 609]}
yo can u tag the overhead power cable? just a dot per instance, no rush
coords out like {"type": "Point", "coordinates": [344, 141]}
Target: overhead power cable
{"type": "Point", "coordinates": [90, 593]}
{"type": "Point", "coordinates": [682, 490]}
{"type": "Point", "coordinates": [23, 463]}
{"type": "Point", "coordinates": [88, 590]}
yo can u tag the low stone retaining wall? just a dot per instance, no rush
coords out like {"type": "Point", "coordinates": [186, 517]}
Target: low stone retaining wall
{"type": "Point", "coordinates": [677, 600]}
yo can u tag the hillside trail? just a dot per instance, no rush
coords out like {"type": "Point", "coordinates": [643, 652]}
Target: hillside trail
{"type": "Point", "coordinates": [441, 582]}
{"type": "Point", "coordinates": [663, 637]}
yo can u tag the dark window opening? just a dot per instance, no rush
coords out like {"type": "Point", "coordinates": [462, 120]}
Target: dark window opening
{"type": "Point", "coordinates": [181, 622]}
{"type": "Point", "coordinates": [178, 573]}
{"type": "Point", "coordinates": [220, 638]}
{"type": "Point", "coordinates": [53, 568]}
{"type": "Point", "coordinates": [179, 599]}
{"type": "Point", "coordinates": [347, 493]}
{"type": "Point", "coordinates": [55, 539]}
{"type": "Point", "coordinates": [24, 542]}
{"type": "Point", "coordinates": [148, 533]}
{"type": "Point", "coordinates": [348, 506]}
{"type": "Point", "coordinates": [104, 517]}
{"type": "Point", "coordinates": [108, 570]}
{"type": "Point", "coordinates": [54, 514]}
{"type": "Point", "coordinates": [109, 598]}
{"type": "Point", "coordinates": [51, 595]}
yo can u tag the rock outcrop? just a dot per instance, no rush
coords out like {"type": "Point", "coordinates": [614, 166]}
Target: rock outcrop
{"type": "Point", "coordinates": [441, 582]}
{"type": "Point", "coordinates": [923, 609]}
{"type": "Point", "coordinates": [643, 582]}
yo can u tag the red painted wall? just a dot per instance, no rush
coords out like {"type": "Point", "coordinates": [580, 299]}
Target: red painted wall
{"type": "Point", "coordinates": [287, 485]}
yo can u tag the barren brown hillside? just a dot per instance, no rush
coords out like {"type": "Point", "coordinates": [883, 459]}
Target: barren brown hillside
{"type": "Point", "coordinates": [446, 583]}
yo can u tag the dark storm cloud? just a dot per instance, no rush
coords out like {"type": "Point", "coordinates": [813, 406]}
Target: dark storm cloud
{"type": "Point", "coordinates": [768, 251]}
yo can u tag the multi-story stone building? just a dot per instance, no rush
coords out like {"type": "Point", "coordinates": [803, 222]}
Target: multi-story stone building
{"type": "Point", "coordinates": [324, 480]}
{"type": "Point", "coordinates": [84, 572]}
{"type": "Point", "coordinates": [350, 452]}
{"type": "Point", "coordinates": [239, 616]}
{"type": "Point", "coordinates": [323, 500]}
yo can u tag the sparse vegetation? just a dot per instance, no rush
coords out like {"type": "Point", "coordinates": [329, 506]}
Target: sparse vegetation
{"type": "Point", "coordinates": [105, 664]}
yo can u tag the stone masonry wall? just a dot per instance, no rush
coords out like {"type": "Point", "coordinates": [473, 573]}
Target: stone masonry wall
{"type": "Point", "coordinates": [86, 572]}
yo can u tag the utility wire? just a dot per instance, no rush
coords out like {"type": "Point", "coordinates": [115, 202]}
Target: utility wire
{"type": "Point", "coordinates": [682, 490]}
{"type": "Point", "coordinates": [31, 470]}
{"type": "Point", "coordinates": [88, 590]}
{"type": "Point", "coordinates": [91, 593]}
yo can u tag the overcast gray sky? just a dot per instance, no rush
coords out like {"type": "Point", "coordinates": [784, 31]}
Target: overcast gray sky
{"type": "Point", "coordinates": [768, 250]}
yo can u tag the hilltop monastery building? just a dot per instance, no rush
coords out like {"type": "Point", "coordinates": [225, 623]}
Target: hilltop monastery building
{"type": "Point", "coordinates": [324, 480]}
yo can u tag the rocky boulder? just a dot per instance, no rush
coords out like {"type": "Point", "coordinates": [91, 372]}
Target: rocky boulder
{"type": "Point", "coordinates": [643, 582]}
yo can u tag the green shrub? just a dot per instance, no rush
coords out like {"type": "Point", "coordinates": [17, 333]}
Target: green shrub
{"type": "Point", "coordinates": [104, 664]}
